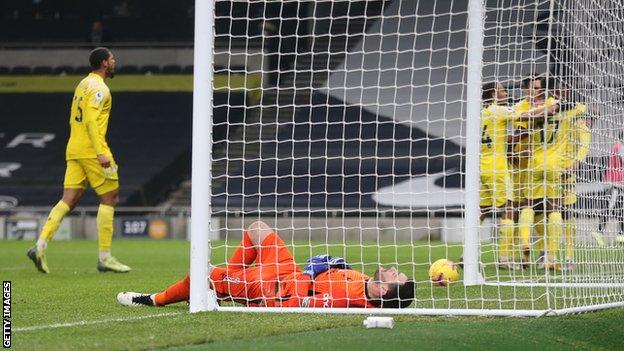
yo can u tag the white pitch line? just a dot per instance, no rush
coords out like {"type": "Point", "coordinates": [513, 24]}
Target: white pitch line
{"type": "Point", "coordinates": [81, 323]}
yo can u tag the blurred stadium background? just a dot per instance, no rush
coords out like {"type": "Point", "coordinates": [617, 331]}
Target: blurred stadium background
{"type": "Point", "coordinates": [271, 61]}
{"type": "Point", "coordinates": [278, 66]}
{"type": "Point", "coordinates": [324, 111]}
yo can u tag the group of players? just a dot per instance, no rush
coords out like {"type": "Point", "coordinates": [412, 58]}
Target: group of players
{"type": "Point", "coordinates": [529, 154]}
{"type": "Point", "coordinates": [527, 175]}
{"type": "Point", "coordinates": [260, 272]}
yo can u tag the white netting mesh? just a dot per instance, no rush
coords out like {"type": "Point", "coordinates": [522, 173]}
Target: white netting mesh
{"type": "Point", "coordinates": [344, 131]}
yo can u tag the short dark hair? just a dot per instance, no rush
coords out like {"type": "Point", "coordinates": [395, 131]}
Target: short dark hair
{"type": "Point", "coordinates": [527, 81]}
{"type": "Point", "coordinates": [487, 92]}
{"type": "Point", "coordinates": [397, 296]}
{"type": "Point", "coordinates": [98, 55]}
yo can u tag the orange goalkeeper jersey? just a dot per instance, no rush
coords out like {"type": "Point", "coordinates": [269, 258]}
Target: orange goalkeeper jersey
{"type": "Point", "coordinates": [334, 288]}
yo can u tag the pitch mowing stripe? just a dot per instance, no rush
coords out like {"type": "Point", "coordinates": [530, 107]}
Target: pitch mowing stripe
{"type": "Point", "coordinates": [82, 323]}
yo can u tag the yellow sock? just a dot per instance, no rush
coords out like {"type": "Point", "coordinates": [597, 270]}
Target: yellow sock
{"type": "Point", "coordinates": [540, 229]}
{"type": "Point", "coordinates": [555, 224]}
{"type": "Point", "coordinates": [55, 217]}
{"type": "Point", "coordinates": [105, 226]}
{"type": "Point", "coordinates": [570, 237]}
{"type": "Point", "coordinates": [505, 235]}
{"type": "Point", "coordinates": [525, 222]}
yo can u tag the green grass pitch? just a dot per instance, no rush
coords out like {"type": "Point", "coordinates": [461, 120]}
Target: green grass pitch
{"type": "Point", "coordinates": [74, 308]}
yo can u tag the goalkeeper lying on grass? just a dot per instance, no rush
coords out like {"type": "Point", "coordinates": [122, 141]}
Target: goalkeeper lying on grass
{"type": "Point", "coordinates": [276, 281]}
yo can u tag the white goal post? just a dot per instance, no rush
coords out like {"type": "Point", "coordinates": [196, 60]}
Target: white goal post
{"type": "Point", "coordinates": [356, 129]}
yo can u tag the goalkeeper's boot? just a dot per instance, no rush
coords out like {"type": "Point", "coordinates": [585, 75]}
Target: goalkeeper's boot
{"type": "Point", "coordinates": [599, 238]}
{"type": "Point", "coordinates": [134, 299]}
{"type": "Point", "coordinates": [39, 259]}
{"type": "Point", "coordinates": [111, 264]}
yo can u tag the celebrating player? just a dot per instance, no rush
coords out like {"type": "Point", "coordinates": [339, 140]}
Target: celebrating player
{"type": "Point", "coordinates": [495, 181]}
{"type": "Point", "coordinates": [526, 135]}
{"type": "Point", "coordinates": [89, 161]}
{"type": "Point", "coordinates": [276, 281]}
{"type": "Point", "coordinates": [576, 151]}
{"type": "Point", "coordinates": [552, 156]}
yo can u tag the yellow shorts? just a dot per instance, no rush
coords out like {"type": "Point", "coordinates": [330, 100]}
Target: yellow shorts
{"type": "Point", "coordinates": [81, 171]}
{"type": "Point", "coordinates": [495, 189]}
{"type": "Point", "coordinates": [544, 184]}
{"type": "Point", "coordinates": [518, 184]}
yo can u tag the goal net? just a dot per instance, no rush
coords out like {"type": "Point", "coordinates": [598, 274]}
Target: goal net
{"type": "Point", "coordinates": [357, 144]}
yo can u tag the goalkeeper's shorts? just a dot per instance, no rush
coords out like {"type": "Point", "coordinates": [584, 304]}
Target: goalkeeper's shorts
{"type": "Point", "coordinates": [274, 264]}
{"type": "Point", "coordinates": [83, 171]}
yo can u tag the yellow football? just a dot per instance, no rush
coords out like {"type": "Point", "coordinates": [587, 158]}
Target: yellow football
{"type": "Point", "coordinates": [443, 272]}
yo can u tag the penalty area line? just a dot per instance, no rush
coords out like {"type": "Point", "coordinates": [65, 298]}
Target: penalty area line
{"type": "Point", "coordinates": [102, 321]}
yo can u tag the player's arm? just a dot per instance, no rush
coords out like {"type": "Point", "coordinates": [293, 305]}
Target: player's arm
{"type": "Point", "coordinates": [538, 113]}
{"type": "Point", "coordinates": [512, 140]}
{"type": "Point", "coordinates": [321, 263]}
{"type": "Point", "coordinates": [90, 111]}
{"type": "Point", "coordinates": [584, 138]}
{"type": "Point", "coordinates": [314, 301]}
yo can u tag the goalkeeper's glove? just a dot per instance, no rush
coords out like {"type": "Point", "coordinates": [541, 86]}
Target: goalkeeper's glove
{"type": "Point", "coordinates": [321, 263]}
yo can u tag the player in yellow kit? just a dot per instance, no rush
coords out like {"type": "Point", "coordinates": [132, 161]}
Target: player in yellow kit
{"type": "Point", "coordinates": [89, 161]}
{"type": "Point", "coordinates": [496, 189]}
{"type": "Point", "coordinates": [578, 149]}
{"type": "Point", "coordinates": [526, 136]}
{"type": "Point", "coordinates": [550, 161]}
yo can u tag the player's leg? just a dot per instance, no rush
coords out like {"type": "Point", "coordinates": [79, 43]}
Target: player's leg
{"type": "Point", "coordinates": [544, 185]}
{"type": "Point", "coordinates": [274, 258]}
{"type": "Point", "coordinates": [74, 185]}
{"type": "Point", "coordinates": [245, 253]}
{"type": "Point", "coordinates": [174, 293]}
{"type": "Point", "coordinates": [105, 219]}
{"type": "Point", "coordinates": [520, 204]}
{"type": "Point", "coordinates": [273, 261]}
{"type": "Point", "coordinates": [502, 193]}
{"type": "Point", "coordinates": [603, 218]}
{"type": "Point", "coordinates": [70, 199]}
{"type": "Point", "coordinates": [540, 231]}
{"type": "Point", "coordinates": [554, 228]}
{"type": "Point", "coordinates": [506, 235]}
{"type": "Point", "coordinates": [526, 221]}
{"type": "Point", "coordinates": [106, 185]}
{"type": "Point", "coordinates": [569, 234]}
{"type": "Point", "coordinates": [569, 221]}
{"type": "Point", "coordinates": [177, 292]}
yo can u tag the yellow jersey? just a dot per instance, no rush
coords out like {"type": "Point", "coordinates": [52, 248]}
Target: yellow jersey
{"type": "Point", "coordinates": [583, 138]}
{"type": "Point", "coordinates": [527, 143]}
{"type": "Point", "coordinates": [494, 120]}
{"type": "Point", "coordinates": [561, 139]}
{"type": "Point", "coordinates": [573, 144]}
{"type": "Point", "coordinates": [88, 119]}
